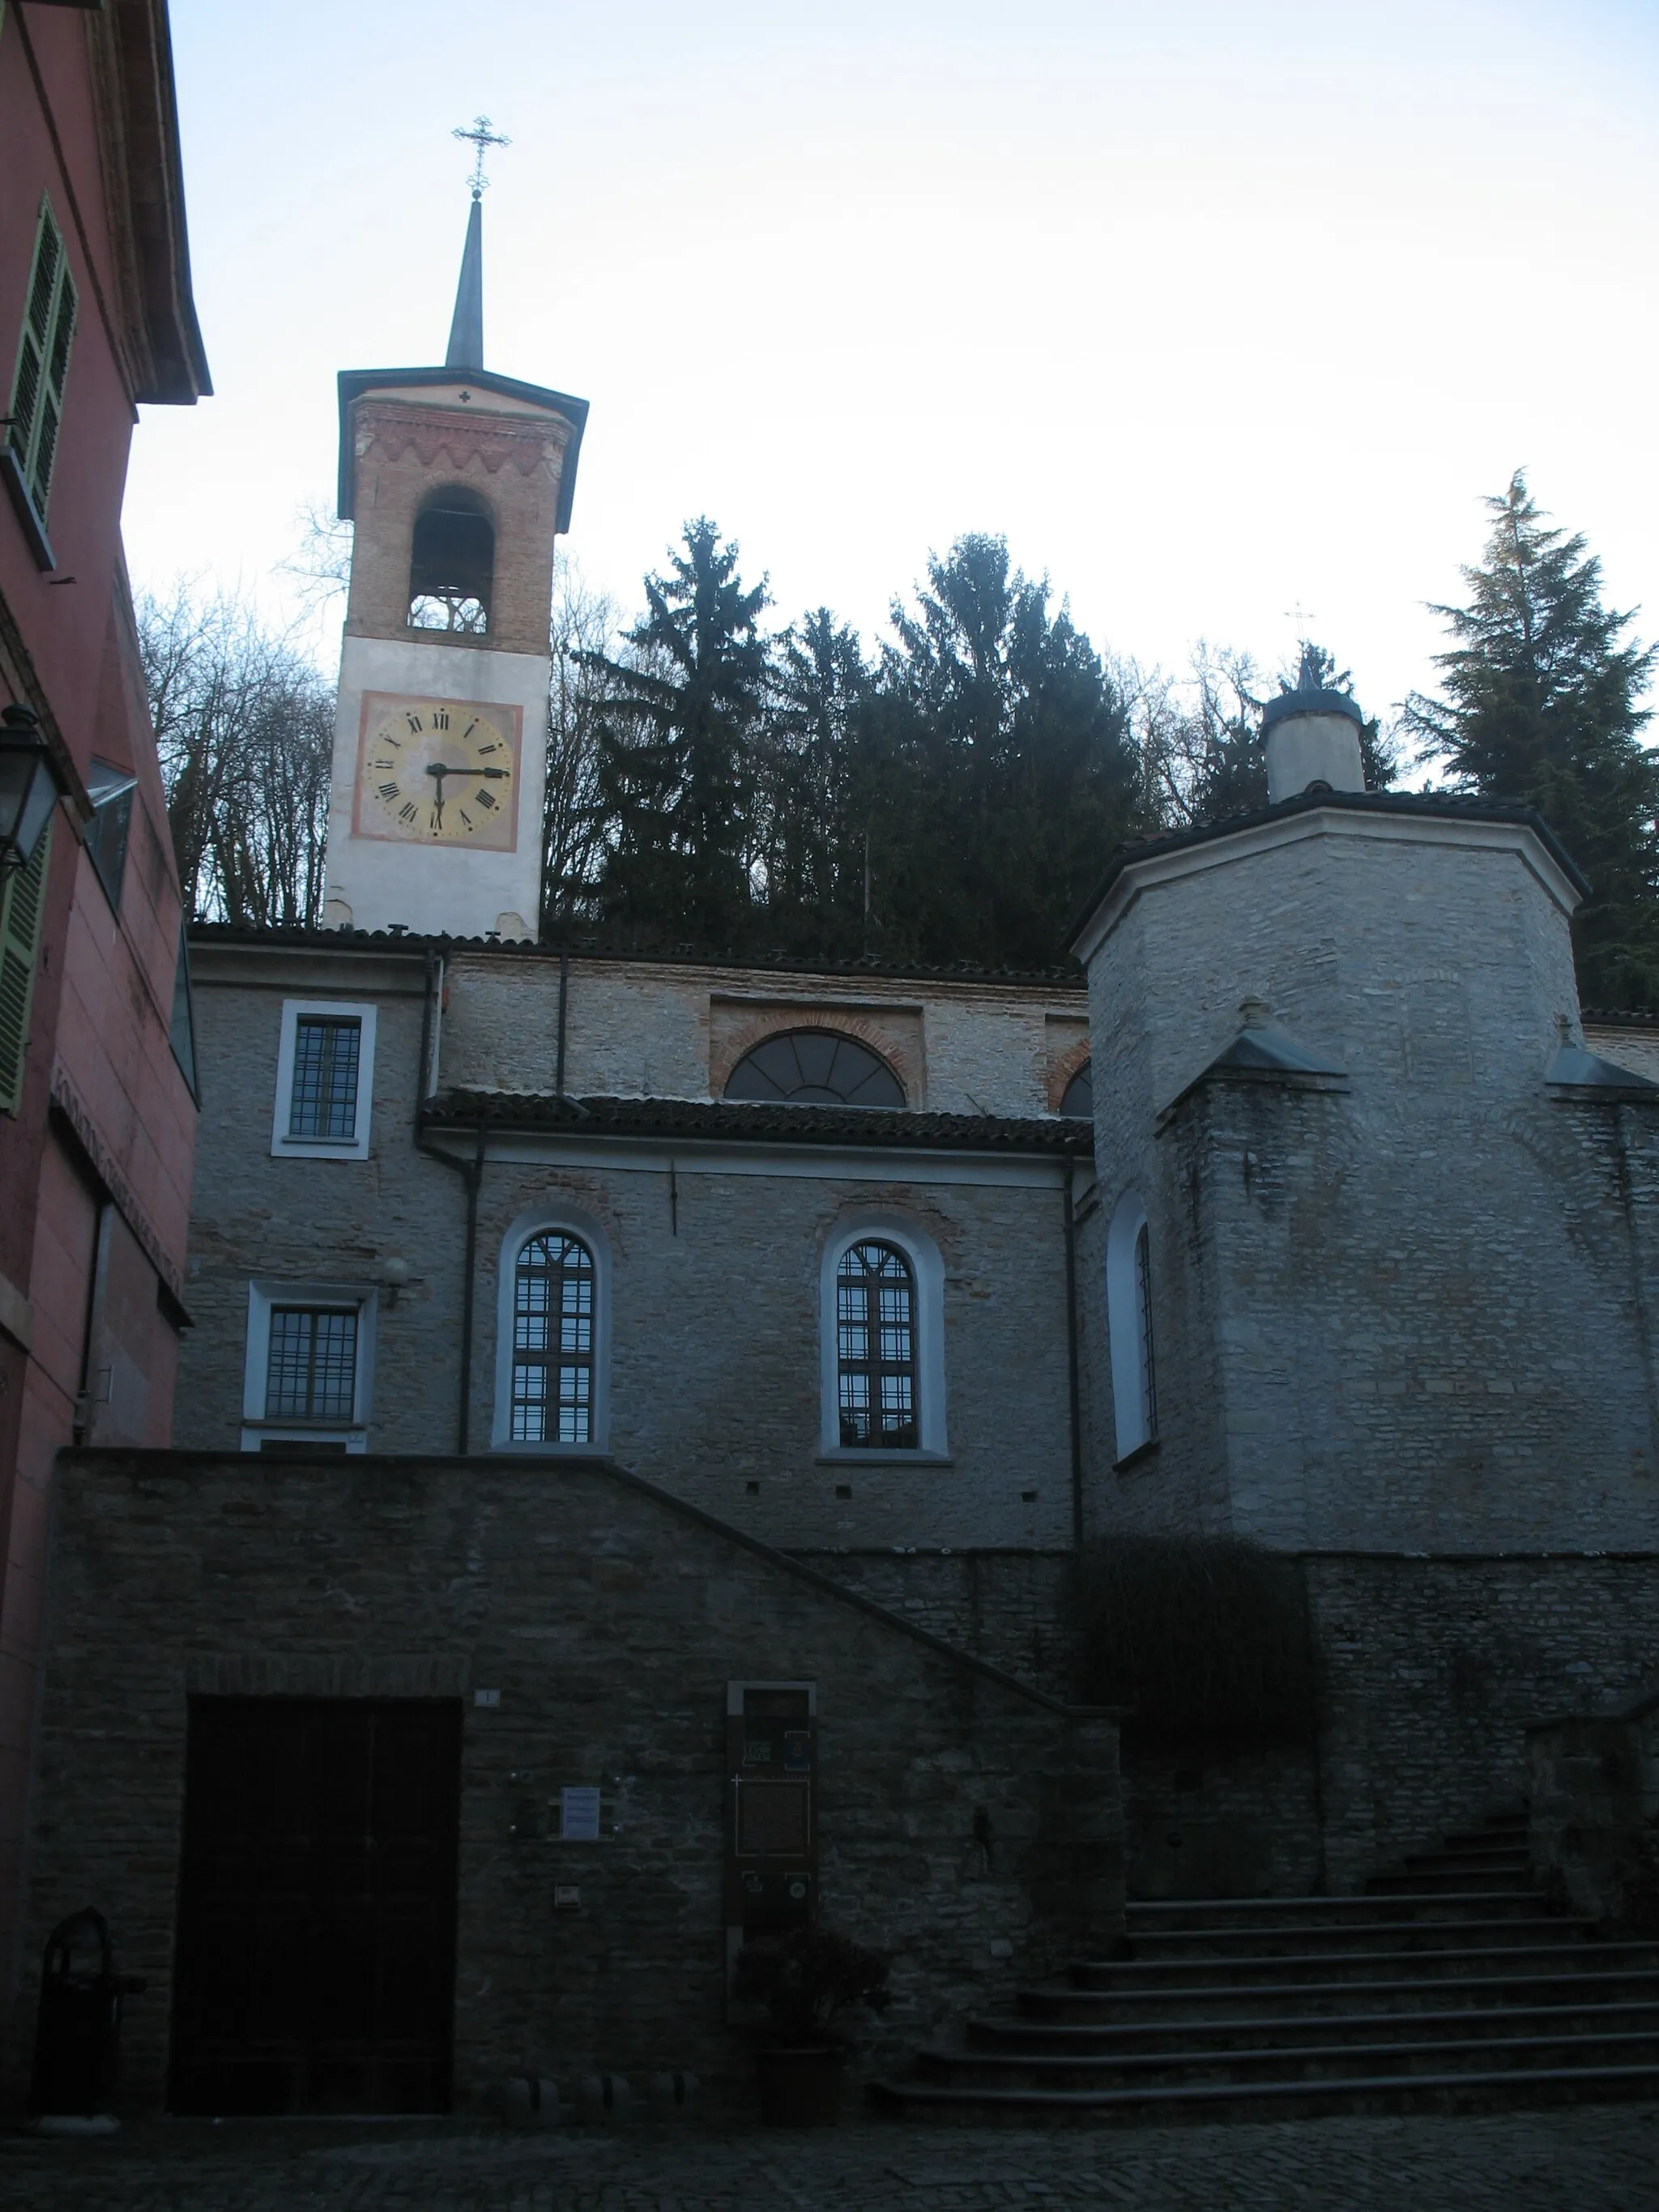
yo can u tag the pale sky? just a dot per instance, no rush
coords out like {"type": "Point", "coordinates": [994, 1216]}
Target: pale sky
{"type": "Point", "coordinates": [1216, 311]}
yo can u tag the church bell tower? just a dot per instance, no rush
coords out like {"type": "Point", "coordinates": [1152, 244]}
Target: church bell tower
{"type": "Point", "coordinates": [458, 482]}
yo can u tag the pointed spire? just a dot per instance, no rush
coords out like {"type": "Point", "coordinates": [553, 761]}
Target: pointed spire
{"type": "Point", "coordinates": [466, 331]}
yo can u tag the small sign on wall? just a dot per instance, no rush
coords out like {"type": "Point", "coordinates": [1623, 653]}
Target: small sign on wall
{"type": "Point", "coordinates": [578, 1815]}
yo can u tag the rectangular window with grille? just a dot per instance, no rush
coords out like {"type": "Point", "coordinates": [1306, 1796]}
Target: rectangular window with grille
{"type": "Point", "coordinates": [42, 371]}
{"type": "Point", "coordinates": [323, 1102]}
{"type": "Point", "coordinates": [311, 1372]}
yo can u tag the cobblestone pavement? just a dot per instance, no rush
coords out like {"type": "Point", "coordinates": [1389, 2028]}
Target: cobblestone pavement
{"type": "Point", "coordinates": [1581, 2159]}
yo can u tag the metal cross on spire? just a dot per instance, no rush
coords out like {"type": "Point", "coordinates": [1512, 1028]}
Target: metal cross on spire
{"type": "Point", "coordinates": [480, 136]}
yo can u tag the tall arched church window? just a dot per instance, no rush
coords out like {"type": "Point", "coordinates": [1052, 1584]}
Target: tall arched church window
{"type": "Point", "coordinates": [815, 1068]}
{"type": "Point", "coordinates": [1144, 1315]}
{"type": "Point", "coordinates": [1129, 1324]}
{"type": "Point", "coordinates": [1078, 1102]}
{"type": "Point", "coordinates": [553, 1319]}
{"type": "Point", "coordinates": [452, 570]}
{"type": "Point", "coordinates": [876, 1348]}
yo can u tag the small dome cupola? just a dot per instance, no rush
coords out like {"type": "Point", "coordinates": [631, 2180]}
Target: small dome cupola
{"type": "Point", "coordinates": [1313, 737]}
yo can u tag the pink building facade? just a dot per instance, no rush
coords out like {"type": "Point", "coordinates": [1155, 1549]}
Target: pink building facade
{"type": "Point", "coordinates": [97, 1082]}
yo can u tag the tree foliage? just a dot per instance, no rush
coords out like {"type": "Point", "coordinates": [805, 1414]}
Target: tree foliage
{"type": "Point", "coordinates": [245, 729]}
{"type": "Point", "coordinates": [950, 794]}
{"type": "Point", "coordinates": [1539, 702]}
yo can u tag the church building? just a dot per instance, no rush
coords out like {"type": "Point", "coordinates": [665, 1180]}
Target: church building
{"type": "Point", "coordinates": [616, 1381]}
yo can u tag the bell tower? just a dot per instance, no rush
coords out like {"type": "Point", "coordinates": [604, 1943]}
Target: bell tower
{"type": "Point", "coordinates": [457, 481]}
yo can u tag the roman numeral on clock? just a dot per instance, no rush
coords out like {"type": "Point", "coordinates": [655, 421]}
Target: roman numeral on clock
{"type": "Point", "coordinates": [388, 791]}
{"type": "Point", "coordinates": [408, 810]}
{"type": "Point", "coordinates": [483, 799]}
{"type": "Point", "coordinates": [414, 722]}
{"type": "Point", "coordinates": [440, 719]}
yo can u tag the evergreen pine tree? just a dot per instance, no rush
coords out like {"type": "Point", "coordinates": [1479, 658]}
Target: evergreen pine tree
{"type": "Point", "coordinates": [677, 750]}
{"type": "Point", "coordinates": [1540, 702]}
{"type": "Point", "coordinates": [995, 767]}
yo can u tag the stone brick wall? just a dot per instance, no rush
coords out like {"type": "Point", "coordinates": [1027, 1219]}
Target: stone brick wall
{"type": "Point", "coordinates": [714, 1342]}
{"type": "Point", "coordinates": [1414, 1313]}
{"type": "Point", "coordinates": [1432, 1672]}
{"type": "Point", "coordinates": [610, 1618]}
{"type": "Point", "coordinates": [511, 456]}
{"type": "Point", "coordinates": [663, 1028]}
{"type": "Point", "coordinates": [1003, 1606]}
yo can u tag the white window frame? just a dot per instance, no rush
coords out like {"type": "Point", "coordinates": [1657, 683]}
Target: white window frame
{"type": "Point", "coordinates": [553, 1220]}
{"type": "Point", "coordinates": [927, 1271]}
{"type": "Point", "coordinates": [1124, 1322]}
{"type": "Point", "coordinates": [266, 1293]}
{"type": "Point", "coordinates": [282, 1146]}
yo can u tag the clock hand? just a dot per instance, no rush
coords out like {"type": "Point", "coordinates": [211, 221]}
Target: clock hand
{"type": "Point", "coordinates": [497, 772]}
{"type": "Point", "coordinates": [439, 769]}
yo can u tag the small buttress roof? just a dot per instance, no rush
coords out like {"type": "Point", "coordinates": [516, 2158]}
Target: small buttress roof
{"type": "Point", "coordinates": [1575, 1069]}
{"type": "Point", "coordinates": [1264, 1052]}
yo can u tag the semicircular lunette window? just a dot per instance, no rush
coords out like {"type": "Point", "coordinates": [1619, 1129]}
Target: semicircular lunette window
{"type": "Point", "coordinates": [1078, 1103]}
{"type": "Point", "coordinates": [815, 1068]}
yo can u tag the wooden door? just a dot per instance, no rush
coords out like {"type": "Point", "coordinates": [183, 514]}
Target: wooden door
{"type": "Point", "coordinates": [316, 1954]}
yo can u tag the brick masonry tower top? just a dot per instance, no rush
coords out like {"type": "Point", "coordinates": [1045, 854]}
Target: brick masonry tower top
{"type": "Point", "coordinates": [459, 481]}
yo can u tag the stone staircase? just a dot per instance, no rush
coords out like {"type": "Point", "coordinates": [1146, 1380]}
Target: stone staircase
{"type": "Point", "coordinates": [1449, 1983]}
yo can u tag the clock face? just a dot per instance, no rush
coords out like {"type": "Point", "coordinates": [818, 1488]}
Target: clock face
{"type": "Point", "coordinates": [438, 771]}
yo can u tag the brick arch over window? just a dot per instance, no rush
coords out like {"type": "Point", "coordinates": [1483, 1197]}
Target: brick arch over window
{"type": "Point", "coordinates": [1064, 1068]}
{"type": "Point", "coordinates": [890, 1083]}
{"type": "Point", "coordinates": [452, 571]}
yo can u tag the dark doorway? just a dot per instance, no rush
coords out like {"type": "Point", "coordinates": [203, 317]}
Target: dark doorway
{"type": "Point", "coordinates": [316, 1959]}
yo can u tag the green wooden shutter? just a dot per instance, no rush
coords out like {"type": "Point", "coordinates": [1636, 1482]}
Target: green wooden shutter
{"type": "Point", "coordinates": [22, 901]}
{"type": "Point", "coordinates": [43, 356]}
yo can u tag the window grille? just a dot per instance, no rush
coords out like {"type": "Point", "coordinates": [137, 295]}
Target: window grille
{"type": "Point", "coordinates": [322, 1103]}
{"type": "Point", "coordinates": [875, 1347]}
{"type": "Point", "coordinates": [553, 1341]}
{"type": "Point", "coordinates": [311, 1370]}
{"type": "Point", "coordinates": [43, 354]}
{"type": "Point", "coordinates": [815, 1068]}
{"type": "Point", "coordinates": [1144, 1306]}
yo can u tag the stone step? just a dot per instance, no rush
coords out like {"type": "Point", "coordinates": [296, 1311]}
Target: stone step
{"type": "Point", "coordinates": [1221, 1940]}
{"type": "Point", "coordinates": [1307, 2060]}
{"type": "Point", "coordinates": [1064, 2000]}
{"type": "Point", "coordinates": [929, 2100]}
{"type": "Point", "coordinates": [1155, 1913]}
{"type": "Point", "coordinates": [1245, 2029]}
{"type": "Point", "coordinates": [1428, 1881]}
{"type": "Point", "coordinates": [1115, 1976]}
{"type": "Point", "coordinates": [1339, 1905]}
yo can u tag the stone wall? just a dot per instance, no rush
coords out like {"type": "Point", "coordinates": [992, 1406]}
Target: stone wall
{"type": "Point", "coordinates": [1431, 1672]}
{"type": "Point", "coordinates": [669, 1030]}
{"type": "Point", "coordinates": [1003, 1606]}
{"type": "Point", "coordinates": [1413, 1313]}
{"type": "Point", "coordinates": [713, 1337]}
{"type": "Point", "coordinates": [609, 1617]}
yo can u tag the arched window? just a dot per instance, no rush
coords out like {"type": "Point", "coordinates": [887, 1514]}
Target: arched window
{"type": "Point", "coordinates": [815, 1068]}
{"type": "Point", "coordinates": [452, 567]}
{"type": "Point", "coordinates": [1129, 1322]}
{"type": "Point", "coordinates": [876, 1348]}
{"type": "Point", "coordinates": [553, 1341]}
{"type": "Point", "coordinates": [1078, 1103]}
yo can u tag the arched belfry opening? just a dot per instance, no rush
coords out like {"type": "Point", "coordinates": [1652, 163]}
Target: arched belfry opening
{"type": "Point", "coordinates": [452, 569]}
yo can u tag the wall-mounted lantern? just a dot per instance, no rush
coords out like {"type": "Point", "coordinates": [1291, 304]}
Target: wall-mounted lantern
{"type": "Point", "coordinates": [29, 784]}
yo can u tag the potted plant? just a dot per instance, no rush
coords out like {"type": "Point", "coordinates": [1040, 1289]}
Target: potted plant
{"type": "Point", "coordinates": [807, 1979]}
